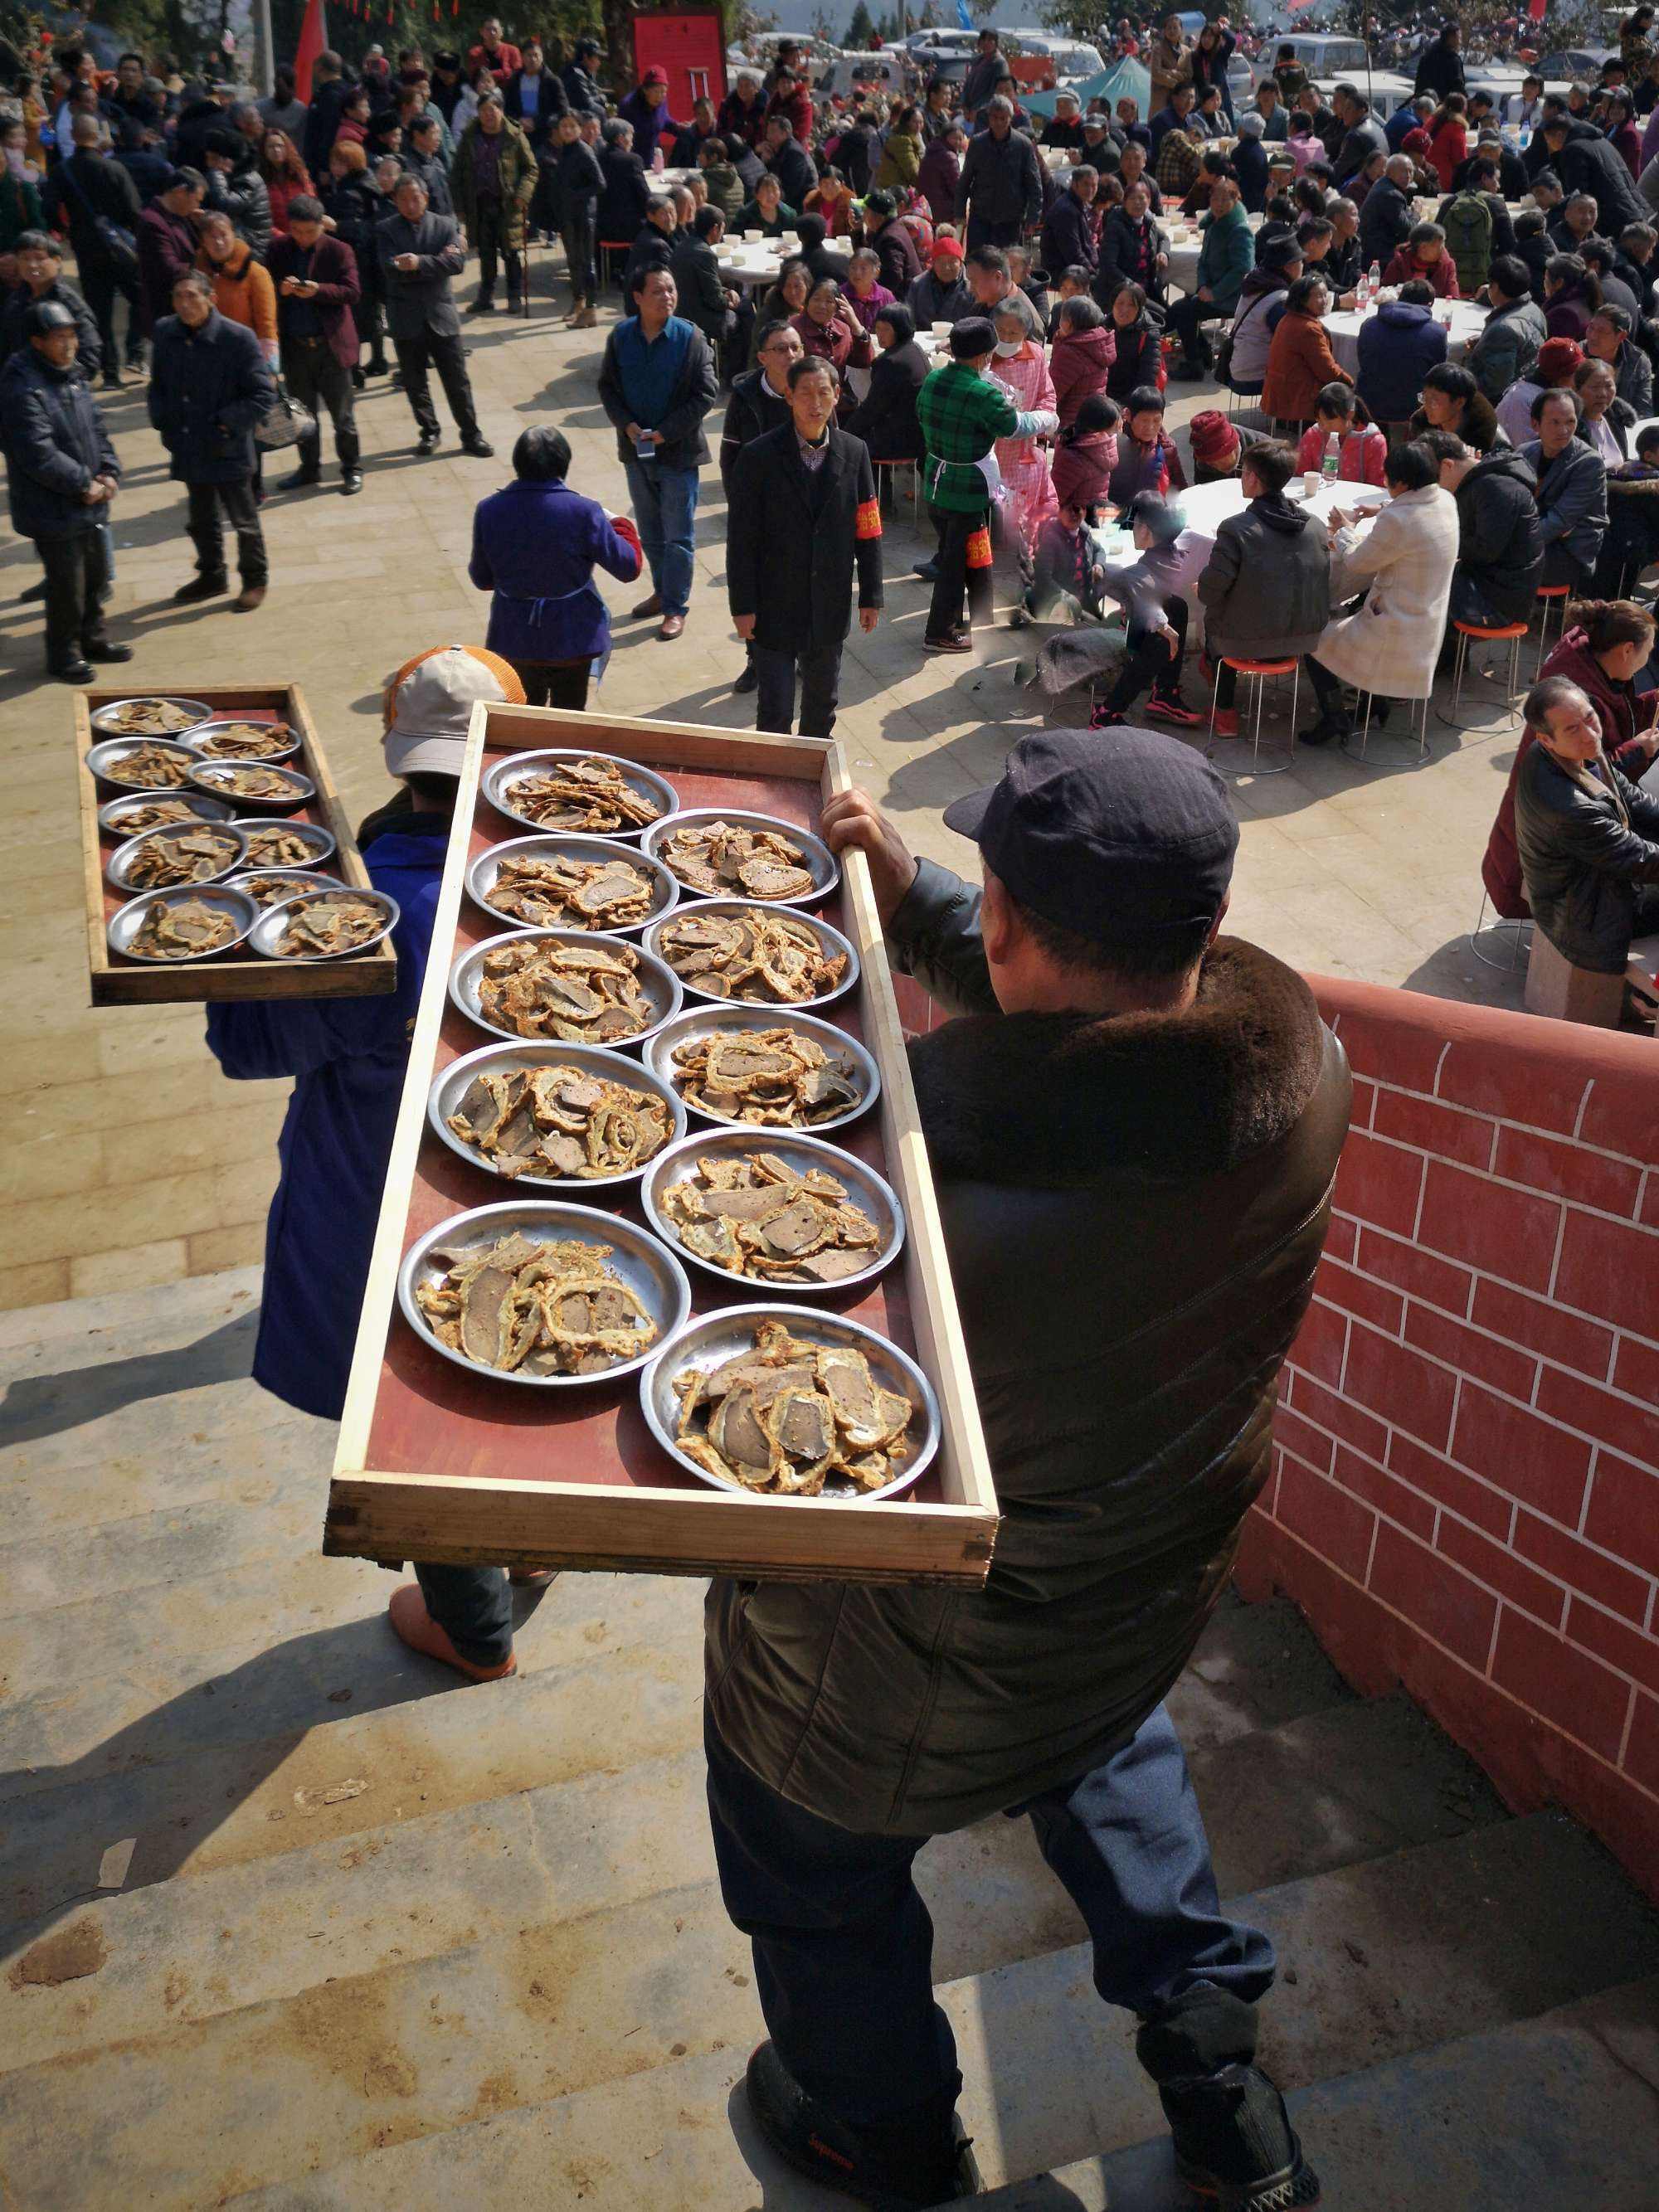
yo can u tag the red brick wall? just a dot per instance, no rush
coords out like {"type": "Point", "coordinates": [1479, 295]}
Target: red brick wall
{"type": "Point", "coordinates": [1464, 1495]}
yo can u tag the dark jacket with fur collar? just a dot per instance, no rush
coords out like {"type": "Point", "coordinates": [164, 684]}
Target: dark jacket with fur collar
{"type": "Point", "coordinates": [1134, 1209]}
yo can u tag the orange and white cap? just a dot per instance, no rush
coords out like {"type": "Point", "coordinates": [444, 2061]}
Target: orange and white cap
{"type": "Point", "coordinates": [429, 705]}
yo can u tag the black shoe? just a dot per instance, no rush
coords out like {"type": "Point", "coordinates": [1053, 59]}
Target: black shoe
{"type": "Point", "coordinates": [478, 447]}
{"type": "Point", "coordinates": [483, 305]}
{"type": "Point", "coordinates": [1327, 727]}
{"type": "Point", "coordinates": [302, 475]}
{"type": "Point", "coordinates": [1188, 372]}
{"type": "Point", "coordinates": [897, 2167]}
{"type": "Point", "coordinates": [351, 482]}
{"type": "Point", "coordinates": [202, 587]}
{"type": "Point", "coordinates": [514, 303]}
{"type": "Point", "coordinates": [359, 378]}
{"type": "Point", "coordinates": [378, 365]}
{"type": "Point", "coordinates": [927, 570]}
{"type": "Point", "coordinates": [71, 671]}
{"type": "Point", "coordinates": [749, 681]}
{"type": "Point", "coordinates": [426, 443]}
{"type": "Point", "coordinates": [1234, 2143]}
{"type": "Point", "coordinates": [104, 649]}
{"type": "Point", "coordinates": [113, 380]}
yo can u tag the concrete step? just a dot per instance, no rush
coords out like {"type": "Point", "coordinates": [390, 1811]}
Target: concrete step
{"type": "Point", "coordinates": [1451, 1938]}
{"type": "Point", "coordinates": [1559, 2110]}
{"type": "Point", "coordinates": [1043, 2063]}
{"type": "Point", "coordinates": [595, 1838]}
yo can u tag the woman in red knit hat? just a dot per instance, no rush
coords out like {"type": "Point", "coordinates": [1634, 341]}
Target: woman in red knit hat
{"type": "Point", "coordinates": [1216, 445]}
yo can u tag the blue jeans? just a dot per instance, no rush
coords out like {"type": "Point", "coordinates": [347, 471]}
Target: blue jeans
{"type": "Point", "coordinates": [843, 1943]}
{"type": "Point", "coordinates": [665, 509]}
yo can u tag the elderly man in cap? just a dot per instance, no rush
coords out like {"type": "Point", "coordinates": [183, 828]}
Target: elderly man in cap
{"type": "Point", "coordinates": [61, 475]}
{"type": "Point", "coordinates": [1130, 1102]}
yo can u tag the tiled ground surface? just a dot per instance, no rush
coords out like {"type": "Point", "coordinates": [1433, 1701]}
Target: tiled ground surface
{"type": "Point", "coordinates": [126, 1159]}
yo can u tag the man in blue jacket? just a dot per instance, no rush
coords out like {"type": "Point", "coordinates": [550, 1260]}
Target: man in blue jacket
{"type": "Point", "coordinates": [535, 546]}
{"type": "Point", "coordinates": [348, 1058]}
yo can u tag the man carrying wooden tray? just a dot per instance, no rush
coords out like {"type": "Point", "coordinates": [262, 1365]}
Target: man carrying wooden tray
{"type": "Point", "coordinates": [1134, 1127]}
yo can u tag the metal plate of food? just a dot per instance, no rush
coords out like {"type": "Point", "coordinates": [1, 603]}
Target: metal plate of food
{"type": "Point", "coordinates": [593, 884]}
{"type": "Point", "coordinates": [269, 887]}
{"type": "Point", "coordinates": [823, 1417]}
{"type": "Point", "coordinates": [140, 811]}
{"type": "Point", "coordinates": [565, 985]}
{"type": "Point", "coordinates": [572, 793]}
{"type": "Point", "coordinates": [735, 953]}
{"type": "Point", "coordinates": [610, 1284]}
{"type": "Point", "coordinates": [722, 852]}
{"type": "Point", "coordinates": [254, 787]}
{"type": "Point", "coordinates": [156, 766]}
{"type": "Point", "coordinates": [148, 717]}
{"type": "Point", "coordinates": [166, 929]}
{"type": "Point", "coordinates": [773, 1209]}
{"type": "Point", "coordinates": [796, 1073]}
{"type": "Point", "coordinates": [225, 738]}
{"type": "Point", "coordinates": [176, 856]}
{"type": "Point", "coordinates": [576, 1133]}
{"type": "Point", "coordinates": [285, 844]}
{"type": "Point", "coordinates": [337, 923]}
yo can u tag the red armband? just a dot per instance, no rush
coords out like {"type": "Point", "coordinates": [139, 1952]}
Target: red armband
{"type": "Point", "coordinates": [867, 523]}
{"type": "Point", "coordinates": [979, 550]}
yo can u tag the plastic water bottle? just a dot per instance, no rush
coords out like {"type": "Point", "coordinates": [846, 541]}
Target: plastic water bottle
{"type": "Point", "coordinates": [1331, 467]}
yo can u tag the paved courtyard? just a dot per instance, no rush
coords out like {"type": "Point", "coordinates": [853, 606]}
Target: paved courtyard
{"type": "Point", "coordinates": [126, 1161]}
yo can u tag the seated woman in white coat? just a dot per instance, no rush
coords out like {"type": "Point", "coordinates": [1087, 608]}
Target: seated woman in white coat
{"type": "Point", "coordinates": [1387, 645]}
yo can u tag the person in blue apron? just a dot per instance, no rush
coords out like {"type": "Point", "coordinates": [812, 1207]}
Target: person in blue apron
{"type": "Point", "coordinates": [535, 546]}
{"type": "Point", "coordinates": [347, 1059]}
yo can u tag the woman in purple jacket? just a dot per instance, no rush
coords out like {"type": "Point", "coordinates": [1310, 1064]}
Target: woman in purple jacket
{"type": "Point", "coordinates": [535, 546]}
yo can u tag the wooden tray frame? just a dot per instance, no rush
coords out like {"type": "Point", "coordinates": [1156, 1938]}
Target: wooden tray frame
{"type": "Point", "coordinates": [118, 983]}
{"type": "Point", "coordinates": [392, 1517]}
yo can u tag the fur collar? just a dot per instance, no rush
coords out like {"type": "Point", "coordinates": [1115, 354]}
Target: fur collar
{"type": "Point", "coordinates": [1053, 1100]}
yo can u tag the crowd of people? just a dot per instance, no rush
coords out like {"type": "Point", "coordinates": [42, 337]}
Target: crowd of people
{"type": "Point", "coordinates": [987, 301]}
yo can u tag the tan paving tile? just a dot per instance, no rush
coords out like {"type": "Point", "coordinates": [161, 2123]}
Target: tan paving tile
{"type": "Point", "coordinates": [239, 1246]}
{"type": "Point", "coordinates": [37, 1283]}
{"type": "Point", "coordinates": [131, 1267]}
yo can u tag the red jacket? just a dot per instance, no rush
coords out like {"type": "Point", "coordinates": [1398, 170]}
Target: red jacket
{"type": "Point", "coordinates": [503, 62]}
{"type": "Point", "coordinates": [797, 112]}
{"type": "Point", "coordinates": [1081, 363]}
{"type": "Point", "coordinates": [1615, 709]}
{"type": "Point", "coordinates": [1083, 469]}
{"type": "Point", "coordinates": [1363, 452]}
{"type": "Point", "coordinates": [1441, 278]}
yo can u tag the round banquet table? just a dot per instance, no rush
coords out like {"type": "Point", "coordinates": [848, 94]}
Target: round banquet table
{"type": "Point", "coordinates": [1342, 329]}
{"type": "Point", "coordinates": [1205, 508]}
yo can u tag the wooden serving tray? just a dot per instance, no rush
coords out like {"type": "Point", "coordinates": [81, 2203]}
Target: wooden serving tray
{"type": "Point", "coordinates": [240, 973]}
{"type": "Point", "coordinates": [435, 1464]}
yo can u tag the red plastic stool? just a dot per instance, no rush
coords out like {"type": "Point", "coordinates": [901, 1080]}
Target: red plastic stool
{"type": "Point", "coordinates": [1514, 632]}
{"type": "Point", "coordinates": [1260, 670]}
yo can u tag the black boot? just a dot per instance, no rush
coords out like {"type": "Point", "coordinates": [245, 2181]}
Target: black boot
{"type": "Point", "coordinates": [897, 2166]}
{"type": "Point", "coordinates": [749, 679]}
{"type": "Point", "coordinates": [351, 472]}
{"type": "Point", "coordinates": [206, 587]}
{"type": "Point", "coordinates": [1234, 2143]}
{"type": "Point", "coordinates": [104, 649]}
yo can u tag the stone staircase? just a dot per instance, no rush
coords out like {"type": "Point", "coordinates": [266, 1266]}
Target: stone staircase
{"type": "Point", "coordinates": [292, 1922]}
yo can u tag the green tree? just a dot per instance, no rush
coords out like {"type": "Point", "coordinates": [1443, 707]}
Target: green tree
{"type": "Point", "coordinates": [861, 31]}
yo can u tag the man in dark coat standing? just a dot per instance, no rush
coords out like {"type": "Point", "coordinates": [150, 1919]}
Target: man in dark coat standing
{"type": "Point", "coordinates": [61, 474]}
{"type": "Point", "coordinates": [577, 77]}
{"type": "Point", "coordinates": [1129, 1099]}
{"type": "Point", "coordinates": [759, 402]}
{"type": "Point", "coordinates": [723, 315]}
{"type": "Point", "coordinates": [1069, 229]}
{"type": "Point", "coordinates": [999, 191]}
{"type": "Point", "coordinates": [1440, 65]}
{"type": "Point", "coordinates": [419, 252]}
{"type": "Point", "coordinates": [208, 387]}
{"type": "Point", "coordinates": [81, 191]}
{"type": "Point", "coordinates": [317, 288]}
{"type": "Point", "coordinates": [804, 516]}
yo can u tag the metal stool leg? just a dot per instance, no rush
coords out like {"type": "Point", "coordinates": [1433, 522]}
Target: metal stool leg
{"type": "Point", "coordinates": [1462, 663]}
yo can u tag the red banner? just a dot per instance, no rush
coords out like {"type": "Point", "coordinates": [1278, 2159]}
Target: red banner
{"type": "Point", "coordinates": [314, 40]}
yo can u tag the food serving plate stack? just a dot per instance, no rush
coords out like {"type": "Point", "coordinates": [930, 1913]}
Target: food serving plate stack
{"type": "Point", "coordinates": [311, 807]}
{"type": "Point", "coordinates": [443, 1457]}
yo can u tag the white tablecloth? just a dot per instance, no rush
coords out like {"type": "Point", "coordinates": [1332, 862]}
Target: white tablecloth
{"type": "Point", "coordinates": [1206, 508]}
{"type": "Point", "coordinates": [1342, 329]}
{"type": "Point", "coordinates": [750, 266]}
{"type": "Point", "coordinates": [1182, 275]}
